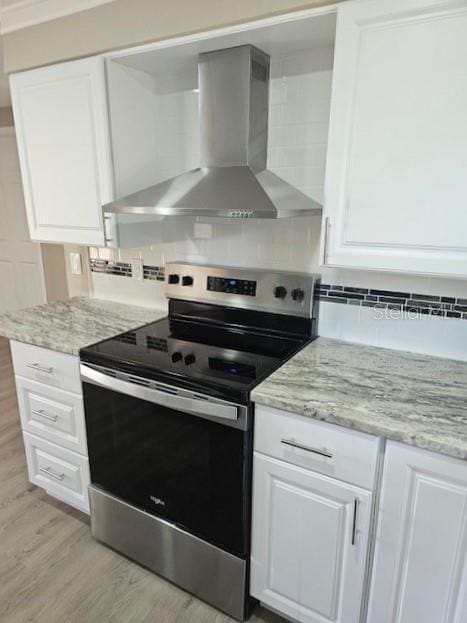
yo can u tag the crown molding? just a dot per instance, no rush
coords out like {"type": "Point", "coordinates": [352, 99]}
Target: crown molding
{"type": "Point", "coordinates": [25, 13]}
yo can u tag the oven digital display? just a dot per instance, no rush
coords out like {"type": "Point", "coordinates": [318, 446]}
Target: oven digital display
{"type": "Point", "coordinates": [232, 286]}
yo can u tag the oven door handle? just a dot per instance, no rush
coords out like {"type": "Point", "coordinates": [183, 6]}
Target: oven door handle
{"type": "Point", "coordinates": [206, 408]}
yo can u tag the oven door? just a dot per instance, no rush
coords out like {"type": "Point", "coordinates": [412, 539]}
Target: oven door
{"type": "Point", "coordinates": [176, 454]}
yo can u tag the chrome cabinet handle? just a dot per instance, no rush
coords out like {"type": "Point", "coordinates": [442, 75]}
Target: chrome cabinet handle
{"type": "Point", "coordinates": [354, 525]}
{"type": "Point", "coordinates": [37, 366]}
{"type": "Point", "coordinates": [48, 471]}
{"type": "Point", "coordinates": [300, 446]}
{"type": "Point", "coordinates": [43, 414]}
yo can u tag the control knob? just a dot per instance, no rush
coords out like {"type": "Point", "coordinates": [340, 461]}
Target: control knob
{"type": "Point", "coordinates": [187, 280]}
{"type": "Point", "coordinates": [176, 357]}
{"type": "Point", "coordinates": [298, 294]}
{"type": "Point", "coordinates": [173, 279]}
{"type": "Point", "coordinates": [189, 359]}
{"type": "Point", "coordinates": [280, 292]}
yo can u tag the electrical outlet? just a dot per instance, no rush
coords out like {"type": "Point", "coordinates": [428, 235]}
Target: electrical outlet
{"type": "Point", "coordinates": [137, 269]}
{"type": "Point", "coordinates": [75, 264]}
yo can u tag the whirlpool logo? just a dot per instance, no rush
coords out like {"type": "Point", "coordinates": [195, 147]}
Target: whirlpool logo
{"type": "Point", "coordinates": [157, 501]}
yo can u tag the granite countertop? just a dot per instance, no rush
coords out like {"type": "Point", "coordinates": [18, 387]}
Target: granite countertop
{"type": "Point", "coordinates": [69, 325]}
{"type": "Point", "coordinates": [415, 399]}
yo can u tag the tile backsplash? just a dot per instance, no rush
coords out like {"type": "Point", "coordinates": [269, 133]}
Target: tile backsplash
{"type": "Point", "coordinates": [298, 126]}
{"type": "Point", "coordinates": [300, 92]}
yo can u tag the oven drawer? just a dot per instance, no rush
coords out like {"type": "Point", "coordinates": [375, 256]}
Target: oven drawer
{"type": "Point", "coordinates": [63, 473]}
{"type": "Point", "coordinates": [338, 452]}
{"type": "Point", "coordinates": [52, 413]}
{"type": "Point", "coordinates": [46, 366]}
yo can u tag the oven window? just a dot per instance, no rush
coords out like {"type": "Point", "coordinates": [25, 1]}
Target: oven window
{"type": "Point", "coordinates": [188, 470]}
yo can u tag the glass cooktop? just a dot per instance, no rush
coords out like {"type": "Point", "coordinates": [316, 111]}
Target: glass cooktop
{"type": "Point", "coordinates": [205, 353]}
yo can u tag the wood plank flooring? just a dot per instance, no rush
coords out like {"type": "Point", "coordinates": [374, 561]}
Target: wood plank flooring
{"type": "Point", "coordinates": [52, 571]}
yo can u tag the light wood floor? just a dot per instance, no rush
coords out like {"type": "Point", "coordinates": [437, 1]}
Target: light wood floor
{"type": "Point", "coordinates": [52, 571]}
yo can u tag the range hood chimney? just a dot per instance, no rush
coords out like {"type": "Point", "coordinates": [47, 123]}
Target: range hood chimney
{"type": "Point", "coordinates": [232, 180]}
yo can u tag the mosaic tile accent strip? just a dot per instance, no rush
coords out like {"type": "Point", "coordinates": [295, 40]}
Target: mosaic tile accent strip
{"type": "Point", "coordinates": [154, 272]}
{"type": "Point", "coordinates": [121, 269]}
{"type": "Point", "coordinates": [444, 306]}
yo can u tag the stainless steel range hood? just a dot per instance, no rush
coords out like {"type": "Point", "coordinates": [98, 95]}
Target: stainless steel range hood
{"type": "Point", "coordinates": [232, 180]}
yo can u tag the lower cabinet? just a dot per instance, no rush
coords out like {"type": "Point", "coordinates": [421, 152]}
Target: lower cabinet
{"type": "Point", "coordinates": [420, 564]}
{"type": "Point", "coordinates": [62, 473]}
{"type": "Point", "coordinates": [311, 536]}
{"type": "Point", "coordinates": [310, 530]}
{"type": "Point", "coordinates": [52, 418]}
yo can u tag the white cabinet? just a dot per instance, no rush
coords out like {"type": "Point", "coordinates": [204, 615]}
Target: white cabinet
{"type": "Point", "coordinates": [64, 474]}
{"type": "Point", "coordinates": [51, 408]}
{"type": "Point", "coordinates": [396, 183]}
{"type": "Point", "coordinates": [310, 530]}
{"type": "Point", "coordinates": [420, 566]}
{"type": "Point", "coordinates": [310, 541]}
{"type": "Point", "coordinates": [63, 138]}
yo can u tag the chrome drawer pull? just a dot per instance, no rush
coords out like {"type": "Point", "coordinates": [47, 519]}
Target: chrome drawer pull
{"type": "Point", "coordinates": [48, 471]}
{"type": "Point", "coordinates": [43, 414]}
{"type": "Point", "coordinates": [295, 444]}
{"type": "Point", "coordinates": [39, 368]}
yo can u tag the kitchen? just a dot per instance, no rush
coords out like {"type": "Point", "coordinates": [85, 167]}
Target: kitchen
{"type": "Point", "coordinates": [244, 395]}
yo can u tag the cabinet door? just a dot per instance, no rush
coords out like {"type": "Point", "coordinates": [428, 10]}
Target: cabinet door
{"type": "Point", "coordinates": [396, 183]}
{"type": "Point", "coordinates": [310, 536]}
{"type": "Point", "coordinates": [420, 566]}
{"type": "Point", "coordinates": [63, 139]}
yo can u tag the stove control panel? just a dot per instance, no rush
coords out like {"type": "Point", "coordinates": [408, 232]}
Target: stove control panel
{"type": "Point", "coordinates": [231, 285]}
{"type": "Point", "coordinates": [263, 290]}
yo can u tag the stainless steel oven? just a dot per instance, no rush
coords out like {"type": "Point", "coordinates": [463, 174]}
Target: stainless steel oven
{"type": "Point", "coordinates": [171, 478]}
{"type": "Point", "coordinates": [169, 423]}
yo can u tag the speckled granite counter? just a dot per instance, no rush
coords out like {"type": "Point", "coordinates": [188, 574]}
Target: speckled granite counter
{"type": "Point", "coordinates": [416, 399]}
{"type": "Point", "coordinates": [70, 325]}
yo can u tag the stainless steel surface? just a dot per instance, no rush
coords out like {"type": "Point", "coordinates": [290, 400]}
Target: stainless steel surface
{"type": "Point", "coordinates": [39, 367]}
{"type": "Point", "coordinates": [232, 180]}
{"type": "Point", "coordinates": [168, 396]}
{"type": "Point", "coordinates": [48, 471]}
{"type": "Point", "coordinates": [354, 525]}
{"type": "Point", "coordinates": [264, 300]}
{"type": "Point", "coordinates": [208, 572]}
{"type": "Point", "coordinates": [300, 446]}
{"type": "Point", "coordinates": [327, 225]}
{"type": "Point", "coordinates": [45, 415]}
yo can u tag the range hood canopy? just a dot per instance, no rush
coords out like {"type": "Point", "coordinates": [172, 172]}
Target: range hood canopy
{"type": "Point", "coordinates": [232, 180]}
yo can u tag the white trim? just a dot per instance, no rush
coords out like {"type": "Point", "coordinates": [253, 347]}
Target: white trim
{"type": "Point", "coordinates": [204, 35]}
{"type": "Point", "coordinates": [31, 12]}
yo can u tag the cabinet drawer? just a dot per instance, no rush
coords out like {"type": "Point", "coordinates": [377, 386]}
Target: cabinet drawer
{"type": "Point", "coordinates": [52, 413]}
{"type": "Point", "coordinates": [332, 450]}
{"type": "Point", "coordinates": [46, 366]}
{"type": "Point", "coordinates": [63, 473]}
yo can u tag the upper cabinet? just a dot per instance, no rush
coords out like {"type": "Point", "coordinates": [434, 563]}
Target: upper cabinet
{"type": "Point", "coordinates": [396, 183]}
{"type": "Point", "coordinates": [63, 138]}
